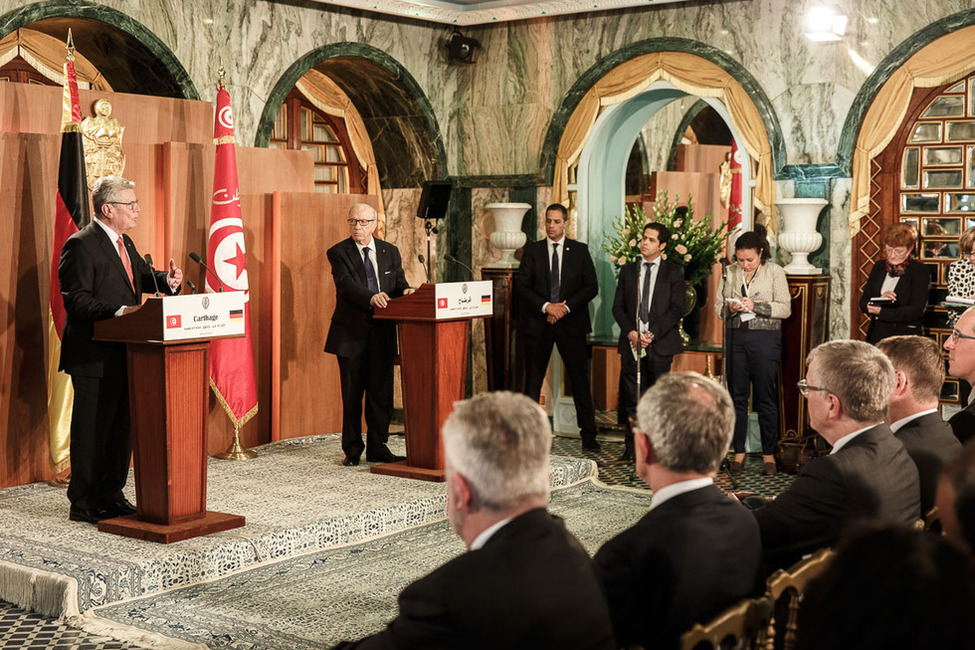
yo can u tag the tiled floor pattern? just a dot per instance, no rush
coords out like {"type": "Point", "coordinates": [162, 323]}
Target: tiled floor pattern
{"type": "Point", "coordinates": [22, 629]}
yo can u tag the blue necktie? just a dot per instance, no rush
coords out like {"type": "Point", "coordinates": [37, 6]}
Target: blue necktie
{"type": "Point", "coordinates": [370, 272]}
{"type": "Point", "coordinates": [554, 290]}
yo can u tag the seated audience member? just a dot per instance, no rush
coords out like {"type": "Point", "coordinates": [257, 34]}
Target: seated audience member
{"type": "Point", "coordinates": [956, 499]}
{"type": "Point", "coordinates": [867, 475]}
{"type": "Point", "coordinates": [525, 581]}
{"type": "Point", "coordinates": [890, 587]}
{"type": "Point", "coordinates": [913, 412]}
{"type": "Point", "coordinates": [697, 551]}
{"type": "Point", "coordinates": [961, 363]}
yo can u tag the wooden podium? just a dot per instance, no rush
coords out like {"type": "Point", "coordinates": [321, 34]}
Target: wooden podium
{"type": "Point", "coordinates": [433, 328]}
{"type": "Point", "coordinates": [167, 344]}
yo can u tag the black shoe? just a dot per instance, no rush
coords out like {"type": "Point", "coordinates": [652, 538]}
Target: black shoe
{"type": "Point", "coordinates": [385, 456]}
{"type": "Point", "coordinates": [90, 516]}
{"type": "Point", "coordinates": [591, 444]}
{"type": "Point", "coordinates": [626, 457]}
{"type": "Point", "coordinates": [351, 461]}
{"type": "Point", "coordinates": [122, 508]}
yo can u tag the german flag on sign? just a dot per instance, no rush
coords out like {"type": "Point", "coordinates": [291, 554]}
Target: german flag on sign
{"type": "Point", "coordinates": [236, 315]}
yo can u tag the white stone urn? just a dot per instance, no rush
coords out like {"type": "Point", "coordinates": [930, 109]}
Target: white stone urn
{"type": "Point", "coordinates": [797, 233]}
{"type": "Point", "coordinates": [508, 236]}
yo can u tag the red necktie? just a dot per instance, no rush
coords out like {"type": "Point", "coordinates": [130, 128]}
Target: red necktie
{"type": "Point", "coordinates": [126, 262]}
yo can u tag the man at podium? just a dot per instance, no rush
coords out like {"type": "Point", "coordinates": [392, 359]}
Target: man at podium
{"type": "Point", "coordinates": [368, 272]}
{"type": "Point", "coordinates": [102, 275]}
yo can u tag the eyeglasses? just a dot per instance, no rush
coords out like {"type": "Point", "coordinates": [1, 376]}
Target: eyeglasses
{"type": "Point", "coordinates": [804, 388]}
{"type": "Point", "coordinates": [360, 222]}
{"type": "Point", "coordinates": [131, 205]}
{"type": "Point", "coordinates": [955, 335]}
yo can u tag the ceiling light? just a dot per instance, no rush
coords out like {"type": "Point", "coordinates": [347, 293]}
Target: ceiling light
{"type": "Point", "coordinates": [825, 24]}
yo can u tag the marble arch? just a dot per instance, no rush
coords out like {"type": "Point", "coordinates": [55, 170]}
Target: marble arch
{"type": "Point", "coordinates": [375, 82]}
{"type": "Point", "coordinates": [178, 76]}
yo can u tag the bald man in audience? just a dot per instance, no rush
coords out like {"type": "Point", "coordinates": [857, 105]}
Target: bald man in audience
{"type": "Point", "coordinates": [956, 499]}
{"type": "Point", "coordinates": [913, 413]}
{"type": "Point", "coordinates": [961, 363]}
{"type": "Point", "coordinates": [697, 551]}
{"type": "Point", "coordinates": [525, 581]}
{"type": "Point", "coordinates": [867, 475]}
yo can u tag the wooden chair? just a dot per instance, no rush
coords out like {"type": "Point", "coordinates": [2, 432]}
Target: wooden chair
{"type": "Point", "coordinates": [741, 626]}
{"type": "Point", "coordinates": [792, 581]}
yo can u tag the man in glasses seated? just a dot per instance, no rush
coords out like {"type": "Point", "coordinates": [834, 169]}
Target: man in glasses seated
{"type": "Point", "coordinates": [867, 475]}
{"type": "Point", "coordinates": [961, 363]}
{"type": "Point", "coordinates": [368, 272]}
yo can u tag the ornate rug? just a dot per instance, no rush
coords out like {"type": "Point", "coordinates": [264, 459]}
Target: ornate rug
{"type": "Point", "coordinates": [321, 598]}
{"type": "Point", "coordinates": [296, 496]}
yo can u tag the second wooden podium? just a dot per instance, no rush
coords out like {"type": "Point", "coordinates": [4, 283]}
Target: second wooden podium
{"type": "Point", "coordinates": [167, 346]}
{"type": "Point", "coordinates": [433, 328]}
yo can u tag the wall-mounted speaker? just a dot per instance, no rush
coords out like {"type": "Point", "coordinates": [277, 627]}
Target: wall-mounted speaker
{"type": "Point", "coordinates": [461, 49]}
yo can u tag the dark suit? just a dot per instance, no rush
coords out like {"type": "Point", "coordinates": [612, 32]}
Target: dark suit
{"type": "Point", "coordinates": [930, 444]}
{"type": "Point", "coordinates": [365, 347]}
{"type": "Point", "coordinates": [963, 423]}
{"type": "Point", "coordinates": [94, 286]}
{"type": "Point", "coordinates": [906, 316]}
{"type": "Point", "coordinates": [871, 477]}
{"type": "Point", "coordinates": [666, 308]}
{"type": "Point", "coordinates": [682, 563]}
{"type": "Point", "coordinates": [531, 586]}
{"type": "Point", "coordinates": [578, 286]}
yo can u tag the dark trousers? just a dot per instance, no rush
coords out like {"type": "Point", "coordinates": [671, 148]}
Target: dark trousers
{"type": "Point", "coordinates": [753, 363]}
{"type": "Point", "coordinates": [575, 358]}
{"type": "Point", "coordinates": [652, 367]}
{"type": "Point", "coordinates": [101, 445]}
{"type": "Point", "coordinates": [369, 374]}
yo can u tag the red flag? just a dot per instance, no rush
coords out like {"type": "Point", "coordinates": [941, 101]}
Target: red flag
{"type": "Point", "coordinates": [71, 213]}
{"type": "Point", "coordinates": [734, 202]}
{"type": "Point", "coordinates": [231, 360]}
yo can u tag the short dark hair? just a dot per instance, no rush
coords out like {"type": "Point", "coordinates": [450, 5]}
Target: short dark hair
{"type": "Point", "coordinates": [663, 232]}
{"type": "Point", "coordinates": [755, 240]}
{"type": "Point", "coordinates": [558, 207]}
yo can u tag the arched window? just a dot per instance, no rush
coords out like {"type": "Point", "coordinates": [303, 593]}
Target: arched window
{"type": "Point", "coordinates": [300, 125]}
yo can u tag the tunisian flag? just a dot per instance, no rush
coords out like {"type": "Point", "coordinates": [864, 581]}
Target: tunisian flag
{"type": "Point", "coordinates": [71, 214]}
{"type": "Point", "coordinates": [231, 360]}
{"type": "Point", "coordinates": [734, 201]}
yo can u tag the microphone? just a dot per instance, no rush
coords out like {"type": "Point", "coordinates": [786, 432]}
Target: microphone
{"type": "Point", "coordinates": [451, 258]}
{"type": "Point", "coordinates": [423, 261]}
{"type": "Point", "coordinates": [199, 260]}
{"type": "Point", "coordinates": [152, 272]}
{"type": "Point", "coordinates": [191, 286]}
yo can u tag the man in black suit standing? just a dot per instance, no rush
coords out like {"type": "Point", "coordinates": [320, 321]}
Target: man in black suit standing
{"type": "Point", "coordinates": [649, 303]}
{"type": "Point", "coordinates": [961, 363]}
{"type": "Point", "coordinates": [525, 581]}
{"type": "Point", "coordinates": [697, 551]}
{"type": "Point", "coordinates": [368, 272]}
{"type": "Point", "coordinates": [867, 475]}
{"type": "Point", "coordinates": [556, 282]}
{"type": "Point", "coordinates": [913, 412]}
{"type": "Point", "coordinates": [101, 276]}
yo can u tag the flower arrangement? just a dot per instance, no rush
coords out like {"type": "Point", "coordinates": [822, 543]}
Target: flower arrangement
{"type": "Point", "coordinates": [693, 244]}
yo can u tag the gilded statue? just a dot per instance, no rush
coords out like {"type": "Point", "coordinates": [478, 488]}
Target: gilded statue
{"type": "Point", "coordinates": [103, 143]}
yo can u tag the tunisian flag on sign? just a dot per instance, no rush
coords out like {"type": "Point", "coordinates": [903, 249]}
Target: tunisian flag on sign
{"type": "Point", "coordinates": [231, 360]}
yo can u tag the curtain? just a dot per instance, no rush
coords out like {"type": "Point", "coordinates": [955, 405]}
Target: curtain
{"type": "Point", "coordinates": [693, 75]}
{"type": "Point", "coordinates": [943, 60]}
{"type": "Point", "coordinates": [326, 96]}
{"type": "Point", "coordinates": [46, 55]}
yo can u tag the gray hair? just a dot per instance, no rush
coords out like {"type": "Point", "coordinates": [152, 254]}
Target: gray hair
{"type": "Point", "coordinates": [689, 420]}
{"type": "Point", "coordinates": [860, 375]}
{"type": "Point", "coordinates": [106, 189]}
{"type": "Point", "coordinates": [366, 210]}
{"type": "Point", "coordinates": [500, 443]}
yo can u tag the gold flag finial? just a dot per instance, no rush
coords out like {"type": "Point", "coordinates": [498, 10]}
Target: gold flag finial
{"type": "Point", "coordinates": [69, 46]}
{"type": "Point", "coordinates": [221, 75]}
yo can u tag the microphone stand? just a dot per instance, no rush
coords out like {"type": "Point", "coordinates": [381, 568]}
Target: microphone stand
{"type": "Point", "coordinates": [725, 357]}
{"type": "Point", "coordinates": [429, 228]}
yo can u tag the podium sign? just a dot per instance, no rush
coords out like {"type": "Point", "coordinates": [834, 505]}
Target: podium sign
{"type": "Point", "coordinates": [464, 300]}
{"type": "Point", "coordinates": [205, 315]}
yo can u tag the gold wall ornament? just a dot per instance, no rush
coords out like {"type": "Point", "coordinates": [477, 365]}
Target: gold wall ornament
{"type": "Point", "coordinates": [102, 142]}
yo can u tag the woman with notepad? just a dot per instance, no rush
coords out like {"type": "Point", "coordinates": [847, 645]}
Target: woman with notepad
{"type": "Point", "coordinates": [896, 293]}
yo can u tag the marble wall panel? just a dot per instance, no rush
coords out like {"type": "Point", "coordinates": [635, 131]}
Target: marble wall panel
{"type": "Point", "coordinates": [658, 133]}
{"type": "Point", "coordinates": [482, 252]}
{"type": "Point", "coordinates": [840, 258]}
